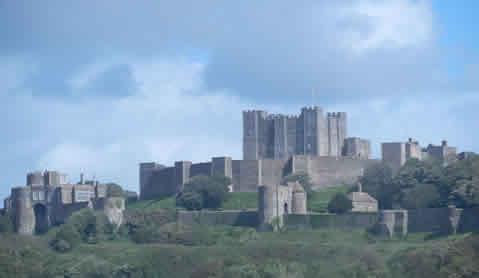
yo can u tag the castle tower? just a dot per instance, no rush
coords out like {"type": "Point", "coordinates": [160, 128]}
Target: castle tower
{"type": "Point", "coordinates": [253, 134]}
{"type": "Point", "coordinates": [274, 201]}
{"type": "Point", "coordinates": [35, 178]}
{"type": "Point", "coordinates": [336, 133]}
{"type": "Point", "coordinates": [23, 214]}
{"type": "Point", "coordinates": [299, 199]}
{"type": "Point", "coordinates": [146, 171]}
{"type": "Point", "coordinates": [222, 166]}
{"type": "Point", "coordinates": [313, 132]}
{"type": "Point", "coordinates": [182, 174]}
{"type": "Point", "coordinates": [280, 125]}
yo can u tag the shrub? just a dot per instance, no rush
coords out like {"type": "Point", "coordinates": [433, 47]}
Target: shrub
{"type": "Point", "coordinates": [6, 225]}
{"type": "Point", "coordinates": [66, 238]}
{"type": "Point", "coordinates": [204, 192]}
{"type": "Point", "coordinates": [190, 200]}
{"type": "Point", "coordinates": [114, 190]}
{"type": "Point", "coordinates": [340, 203]}
{"type": "Point", "coordinates": [302, 178]}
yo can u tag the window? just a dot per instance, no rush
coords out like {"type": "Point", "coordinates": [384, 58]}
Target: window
{"type": "Point", "coordinates": [35, 196]}
{"type": "Point", "coordinates": [82, 196]}
{"type": "Point", "coordinates": [41, 195]}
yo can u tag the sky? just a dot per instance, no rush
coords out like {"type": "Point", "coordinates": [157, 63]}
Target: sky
{"type": "Point", "coordinates": [100, 86]}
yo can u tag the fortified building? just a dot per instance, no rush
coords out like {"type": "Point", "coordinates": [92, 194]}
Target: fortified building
{"type": "Point", "coordinates": [49, 199]}
{"type": "Point", "coordinates": [274, 146]}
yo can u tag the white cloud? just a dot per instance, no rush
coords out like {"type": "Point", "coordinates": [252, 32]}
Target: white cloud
{"type": "Point", "coordinates": [393, 24]}
{"type": "Point", "coordinates": [170, 118]}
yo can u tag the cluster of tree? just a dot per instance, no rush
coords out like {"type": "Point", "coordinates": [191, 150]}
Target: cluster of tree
{"type": "Point", "coordinates": [204, 192]}
{"type": "Point", "coordinates": [420, 184]}
{"type": "Point", "coordinates": [5, 224]}
{"type": "Point", "coordinates": [340, 203]}
{"type": "Point", "coordinates": [86, 226]}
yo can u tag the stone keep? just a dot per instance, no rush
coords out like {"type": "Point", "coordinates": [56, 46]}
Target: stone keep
{"type": "Point", "coordinates": [278, 136]}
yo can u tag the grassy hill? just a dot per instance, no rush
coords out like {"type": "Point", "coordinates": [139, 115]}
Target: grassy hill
{"type": "Point", "coordinates": [318, 202]}
{"type": "Point", "coordinates": [229, 253]}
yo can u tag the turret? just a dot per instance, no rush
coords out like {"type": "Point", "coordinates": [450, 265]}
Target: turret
{"type": "Point", "coordinates": [23, 214]}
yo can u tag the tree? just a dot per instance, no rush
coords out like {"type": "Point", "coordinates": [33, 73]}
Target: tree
{"type": "Point", "coordinates": [190, 200]}
{"type": "Point", "coordinates": [204, 192]}
{"type": "Point", "coordinates": [340, 203]}
{"type": "Point", "coordinates": [421, 196]}
{"type": "Point", "coordinates": [114, 190]}
{"type": "Point", "coordinates": [377, 182]}
{"type": "Point", "coordinates": [5, 224]}
{"type": "Point", "coordinates": [302, 178]}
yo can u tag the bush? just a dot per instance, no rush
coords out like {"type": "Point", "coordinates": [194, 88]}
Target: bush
{"type": "Point", "coordinates": [83, 226]}
{"type": "Point", "coordinates": [340, 203]}
{"type": "Point", "coordinates": [421, 196]}
{"type": "Point", "coordinates": [66, 238]}
{"type": "Point", "coordinates": [114, 190]}
{"type": "Point", "coordinates": [204, 192]}
{"type": "Point", "coordinates": [6, 225]}
{"type": "Point", "coordinates": [190, 200]}
{"type": "Point", "coordinates": [302, 178]}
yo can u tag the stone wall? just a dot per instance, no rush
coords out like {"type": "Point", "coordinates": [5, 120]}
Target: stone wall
{"type": "Point", "coordinates": [246, 175]}
{"type": "Point", "coordinates": [200, 169]}
{"type": "Point", "coordinates": [332, 221]}
{"type": "Point", "coordinates": [205, 217]}
{"type": "Point", "coordinates": [162, 183]}
{"type": "Point", "coordinates": [272, 171]}
{"type": "Point", "coordinates": [331, 171]}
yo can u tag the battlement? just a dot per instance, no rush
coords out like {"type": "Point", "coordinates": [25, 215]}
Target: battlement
{"type": "Point", "coordinates": [311, 109]}
{"type": "Point", "coordinates": [337, 115]}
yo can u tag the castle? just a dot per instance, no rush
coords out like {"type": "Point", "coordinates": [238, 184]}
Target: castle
{"type": "Point", "coordinates": [49, 199]}
{"type": "Point", "coordinates": [277, 145]}
{"type": "Point", "coordinates": [274, 146]}
{"type": "Point", "coordinates": [395, 154]}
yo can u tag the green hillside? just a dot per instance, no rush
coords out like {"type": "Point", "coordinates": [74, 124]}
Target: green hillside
{"type": "Point", "coordinates": [318, 202]}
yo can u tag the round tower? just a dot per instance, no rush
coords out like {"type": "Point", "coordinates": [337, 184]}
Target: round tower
{"type": "Point", "coordinates": [35, 178]}
{"type": "Point", "coordinates": [23, 214]}
{"type": "Point", "coordinates": [267, 208]}
{"type": "Point", "coordinates": [299, 200]}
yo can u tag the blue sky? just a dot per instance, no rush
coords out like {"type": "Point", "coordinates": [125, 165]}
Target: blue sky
{"type": "Point", "coordinates": [99, 86]}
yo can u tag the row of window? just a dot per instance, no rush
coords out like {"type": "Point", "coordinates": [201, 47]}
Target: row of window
{"type": "Point", "coordinates": [38, 195]}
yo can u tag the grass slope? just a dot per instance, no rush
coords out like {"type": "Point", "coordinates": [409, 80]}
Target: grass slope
{"type": "Point", "coordinates": [318, 202]}
{"type": "Point", "coordinates": [304, 254]}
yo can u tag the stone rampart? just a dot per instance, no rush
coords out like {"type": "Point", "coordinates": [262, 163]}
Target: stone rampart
{"type": "Point", "coordinates": [272, 171]}
{"type": "Point", "coordinates": [203, 169]}
{"type": "Point", "coordinates": [205, 217]}
{"type": "Point", "coordinates": [331, 171]}
{"type": "Point", "coordinates": [162, 183]}
{"type": "Point", "coordinates": [332, 221]}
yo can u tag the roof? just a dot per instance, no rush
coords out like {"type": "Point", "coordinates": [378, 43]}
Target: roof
{"type": "Point", "coordinates": [362, 197]}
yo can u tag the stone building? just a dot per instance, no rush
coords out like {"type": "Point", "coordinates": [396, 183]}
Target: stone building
{"type": "Point", "coordinates": [48, 199]}
{"type": "Point", "coordinates": [396, 154]}
{"type": "Point", "coordinates": [362, 201]}
{"type": "Point", "coordinates": [247, 175]}
{"type": "Point", "coordinates": [276, 201]}
{"type": "Point", "coordinates": [278, 136]}
{"type": "Point", "coordinates": [273, 146]}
